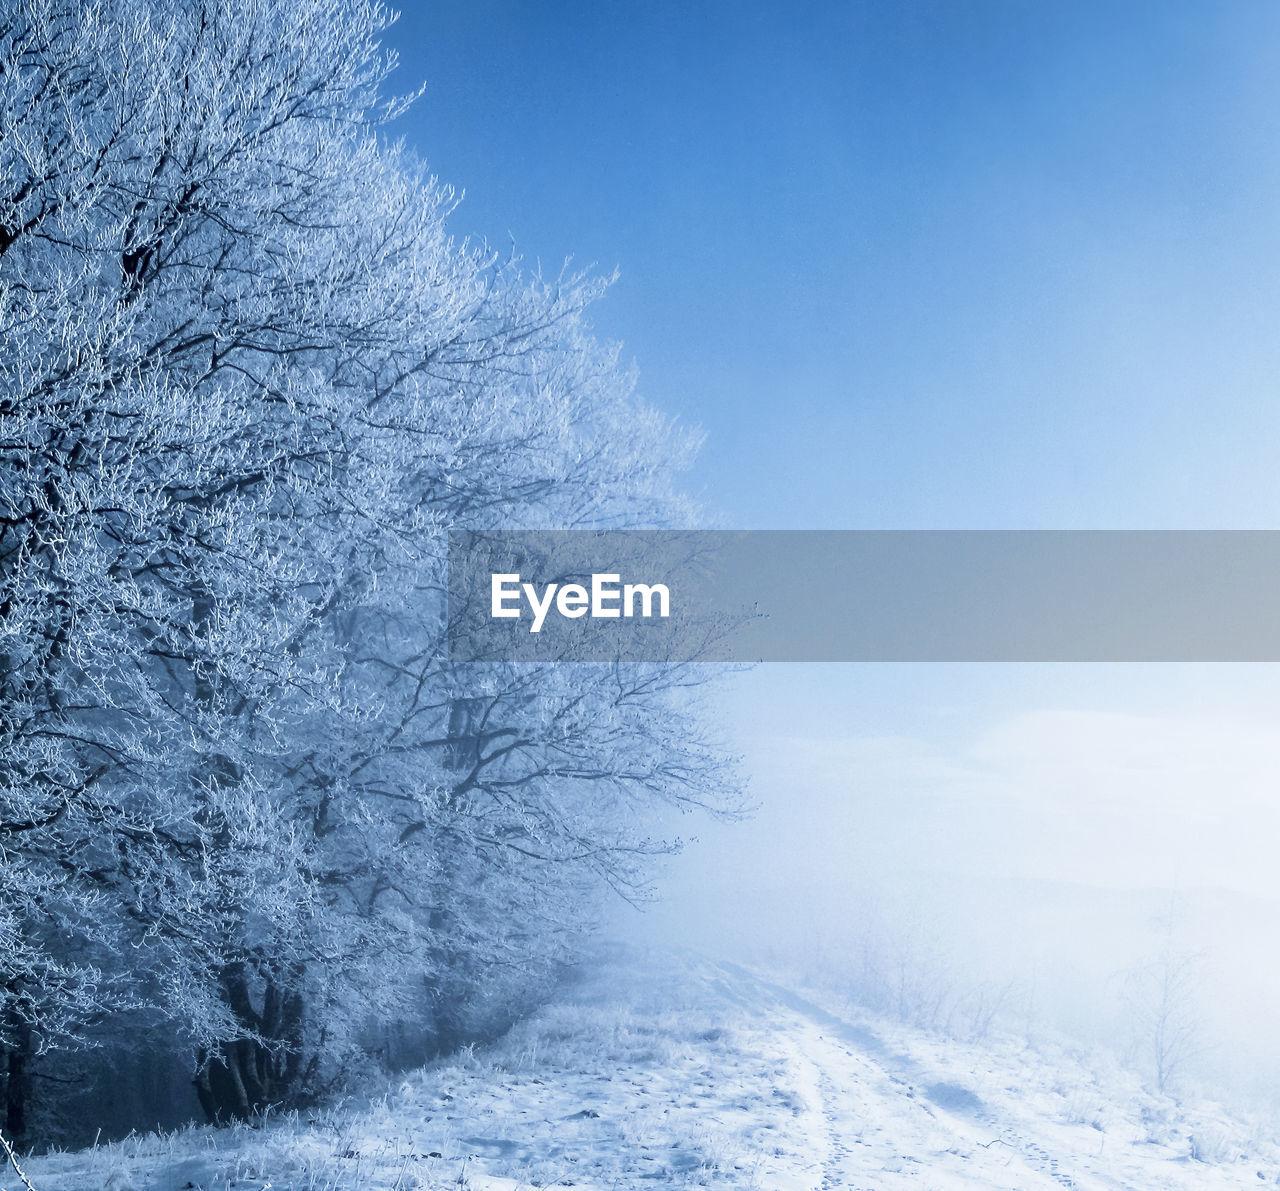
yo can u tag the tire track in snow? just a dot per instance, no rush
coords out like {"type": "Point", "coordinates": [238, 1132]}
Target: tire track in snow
{"type": "Point", "coordinates": [882, 1130]}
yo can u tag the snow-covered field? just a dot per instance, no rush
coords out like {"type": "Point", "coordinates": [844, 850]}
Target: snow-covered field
{"type": "Point", "coordinates": [663, 1070]}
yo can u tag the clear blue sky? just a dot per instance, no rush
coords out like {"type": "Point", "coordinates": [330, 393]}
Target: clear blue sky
{"type": "Point", "coordinates": [927, 265]}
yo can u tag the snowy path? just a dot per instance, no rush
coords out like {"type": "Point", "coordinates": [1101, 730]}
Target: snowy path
{"type": "Point", "coordinates": [892, 1120]}
{"type": "Point", "coordinates": [675, 1071]}
{"type": "Point", "coordinates": [881, 1129]}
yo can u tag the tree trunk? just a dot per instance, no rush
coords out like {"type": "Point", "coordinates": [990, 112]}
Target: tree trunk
{"type": "Point", "coordinates": [17, 1083]}
{"type": "Point", "coordinates": [248, 1076]}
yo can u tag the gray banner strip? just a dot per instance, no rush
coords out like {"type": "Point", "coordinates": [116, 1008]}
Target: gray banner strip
{"type": "Point", "coordinates": [865, 596]}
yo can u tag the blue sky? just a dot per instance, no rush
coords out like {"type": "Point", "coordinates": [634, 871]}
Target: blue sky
{"type": "Point", "coordinates": [926, 265]}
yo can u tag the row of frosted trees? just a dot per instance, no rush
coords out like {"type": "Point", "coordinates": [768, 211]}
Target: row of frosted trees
{"type": "Point", "coordinates": [248, 381]}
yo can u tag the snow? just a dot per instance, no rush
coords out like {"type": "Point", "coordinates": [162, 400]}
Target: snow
{"type": "Point", "coordinates": [675, 1070]}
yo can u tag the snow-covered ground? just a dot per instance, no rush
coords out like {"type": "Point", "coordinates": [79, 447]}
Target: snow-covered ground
{"type": "Point", "coordinates": [663, 1070]}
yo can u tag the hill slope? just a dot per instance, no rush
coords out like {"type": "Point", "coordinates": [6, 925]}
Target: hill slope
{"type": "Point", "coordinates": [678, 1071]}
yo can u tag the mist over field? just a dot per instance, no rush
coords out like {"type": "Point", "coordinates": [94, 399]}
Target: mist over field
{"type": "Point", "coordinates": [1016, 849]}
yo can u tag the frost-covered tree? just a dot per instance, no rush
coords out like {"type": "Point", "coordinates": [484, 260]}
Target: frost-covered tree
{"type": "Point", "coordinates": [247, 383]}
{"type": "Point", "coordinates": [1160, 999]}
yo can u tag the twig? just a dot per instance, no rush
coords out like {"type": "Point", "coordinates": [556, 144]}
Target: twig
{"type": "Point", "coordinates": [8, 1149]}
